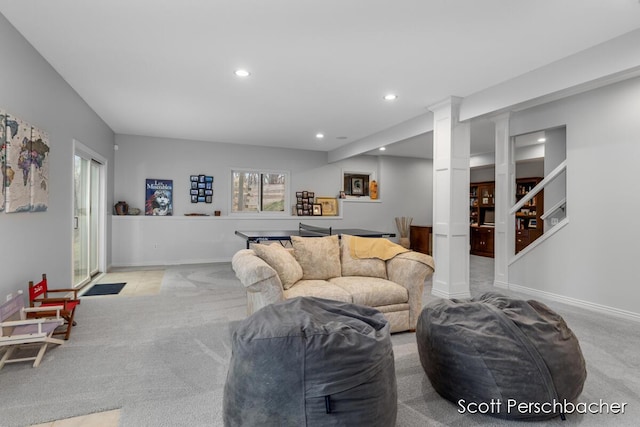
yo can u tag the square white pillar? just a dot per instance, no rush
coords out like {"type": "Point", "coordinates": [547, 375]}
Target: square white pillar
{"type": "Point", "coordinates": [451, 153]}
{"type": "Point", "coordinates": [504, 236]}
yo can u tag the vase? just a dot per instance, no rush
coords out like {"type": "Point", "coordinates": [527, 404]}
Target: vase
{"type": "Point", "coordinates": [404, 242]}
{"type": "Point", "coordinates": [121, 208]}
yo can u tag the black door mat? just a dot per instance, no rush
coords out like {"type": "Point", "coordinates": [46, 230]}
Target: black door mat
{"type": "Point", "coordinates": [104, 289]}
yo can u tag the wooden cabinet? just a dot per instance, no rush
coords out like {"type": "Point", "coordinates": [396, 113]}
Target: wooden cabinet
{"type": "Point", "coordinates": [529, 225]}
{"type": "Point", "coordinates": [420, 239]}
{"type": "Point", "coordinates": [482, 217]}
{"type": "Point", "coordinates": [482, 241]}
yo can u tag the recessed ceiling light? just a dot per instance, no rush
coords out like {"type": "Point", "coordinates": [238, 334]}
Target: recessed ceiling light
{"type": "Point", "coordinates": [390, 97]}
{"type": "Point", "coordinates": [542, 139]}
{"type": "Point", "coordinates": [382, 148]}
{"type": "Point", "coordinates": [319, 135]}
{"type": "Point", "coordinates": [242, 73]}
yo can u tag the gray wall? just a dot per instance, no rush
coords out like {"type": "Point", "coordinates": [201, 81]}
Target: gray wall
{"type": "Point", "coordinates": [593, 259]}
{"type": "Point", "coordinates": [36, 243]}
{"type": "Point", "coordinates": [404, 186]}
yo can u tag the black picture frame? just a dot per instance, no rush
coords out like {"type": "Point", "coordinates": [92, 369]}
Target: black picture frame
{"type": "Point", "coordinates": [357, 186]}
{"type": "Point", "coordinates": [201, 188]}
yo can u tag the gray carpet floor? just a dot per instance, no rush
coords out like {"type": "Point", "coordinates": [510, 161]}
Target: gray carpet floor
{"type": "Point", "coordinates": [163, 360]}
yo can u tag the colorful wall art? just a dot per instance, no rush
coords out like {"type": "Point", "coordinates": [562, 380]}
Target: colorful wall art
{"type": "Point", "coordinates": [24, 159]}
{"type": "Point", "coordinates": [158, 197]}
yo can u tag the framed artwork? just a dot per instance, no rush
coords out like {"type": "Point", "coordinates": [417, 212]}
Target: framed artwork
{"type": "Point", "coordinates": [317, 209]}
{"type": "Point", "coordinates": [329, 205]}
{"type": "Point", "coordinates": [201, 188]}
{"type": "Point", "coordinates": [158, 197]}
{"type": "Point", "coordinates": [357, 186]}
{"type": "Point", "coordinates": [304, 203]}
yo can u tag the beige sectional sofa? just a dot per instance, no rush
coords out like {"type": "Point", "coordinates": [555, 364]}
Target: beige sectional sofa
{"type": "Point", "coordinates": [327, 267]}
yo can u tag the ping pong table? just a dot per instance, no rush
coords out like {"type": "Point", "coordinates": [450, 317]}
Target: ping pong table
{"type": "Point", "coordinates": [305, 231]}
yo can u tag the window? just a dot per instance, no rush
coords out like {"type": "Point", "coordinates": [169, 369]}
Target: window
{"type": "Point", "coordinates": [259, 191]}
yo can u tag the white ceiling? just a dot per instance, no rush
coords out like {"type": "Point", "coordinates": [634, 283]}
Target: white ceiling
{"type": "Point", "coordinates": [165, 67]}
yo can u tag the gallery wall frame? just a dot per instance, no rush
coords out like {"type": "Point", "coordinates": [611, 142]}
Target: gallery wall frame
{"type": "Point", "coordinates": [201, 188]}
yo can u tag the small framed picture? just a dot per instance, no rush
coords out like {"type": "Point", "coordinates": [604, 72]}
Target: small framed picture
{"type": "Point", "coordinates": [357, 186]}
{"type": "Point", "coordinates": [317, 209]}
{"type": "Point", "coordinates": [329, 205]}
{"type": "Point", "coordinates": [299, 211]}
{"type": "Point", "coordinates": [194, 198]}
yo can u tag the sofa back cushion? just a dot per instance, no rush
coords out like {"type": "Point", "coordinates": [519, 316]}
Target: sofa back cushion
{"type": "Point", "coordinates": [318, 256]}
{"type": "Point", "coordinates": [368, 267]}
{"type": "Point", "coordinates": [282, 261]}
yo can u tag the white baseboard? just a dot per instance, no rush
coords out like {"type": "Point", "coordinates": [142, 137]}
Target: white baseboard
{"type": "Point", "coordinates": [153, 263]}
{"type": "Point", "coordinates": [460, 295]}
{"type": "Point", "coordinates": [630, 315]}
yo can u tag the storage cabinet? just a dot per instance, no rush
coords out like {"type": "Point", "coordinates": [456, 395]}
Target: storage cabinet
{"type": "Point", "coordinates": [482, 218]}
{"type": "Point", "coordinates": [529, 225]}
{"type": "Point", "coordinates": [482, 241]}
{"type": "Point", "coordinates": [420, 239]}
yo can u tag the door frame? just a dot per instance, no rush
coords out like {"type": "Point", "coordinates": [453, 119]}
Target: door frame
{"type": "Point", "coordinates": [81, 149]}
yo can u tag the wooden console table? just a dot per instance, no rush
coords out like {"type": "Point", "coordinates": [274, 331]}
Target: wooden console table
{"type": "Point", "coordinates": [420, 238]}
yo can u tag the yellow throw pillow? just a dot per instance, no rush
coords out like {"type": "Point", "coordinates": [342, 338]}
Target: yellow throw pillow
{"type": "Point", "coordinates": [319, 257]}
{"type": "Point", "coordinates": [281, 260]}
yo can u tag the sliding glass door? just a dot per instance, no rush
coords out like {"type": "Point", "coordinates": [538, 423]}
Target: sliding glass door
{"type": "Point", "coordinates": [87, 219]}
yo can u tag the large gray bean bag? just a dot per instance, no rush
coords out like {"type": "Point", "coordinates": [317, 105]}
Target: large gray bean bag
{"type": "Point", "coordinates": [311, 362]}
{"type": "Point", "coordinates": [496, 349]}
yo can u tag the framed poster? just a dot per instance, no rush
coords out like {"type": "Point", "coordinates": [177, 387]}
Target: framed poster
{"type": "Point", "coordinates": [329, 205]}
{"type": "Point", "coordinates": [158, 197]}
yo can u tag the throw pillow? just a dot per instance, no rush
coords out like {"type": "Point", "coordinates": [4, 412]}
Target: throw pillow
{"type": "Point", "coordinates": [369, 267]}
{"type": "Point", "coordinates": [319, 257]}
{"type": "Point", "coordinates": [282, 261]}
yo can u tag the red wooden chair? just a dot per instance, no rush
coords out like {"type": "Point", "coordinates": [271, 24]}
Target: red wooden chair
{"type": "Point", "coordinates": [39, 297]}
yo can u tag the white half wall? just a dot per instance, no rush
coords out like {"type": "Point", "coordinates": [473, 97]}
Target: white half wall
{"type": "Point", "coordinates": [404, 186]}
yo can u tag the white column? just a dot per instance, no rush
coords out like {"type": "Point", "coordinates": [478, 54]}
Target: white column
{"type": "Point", "coordinates": [451, 153]}
{"type": "Point", "coordinates": [504, 236]}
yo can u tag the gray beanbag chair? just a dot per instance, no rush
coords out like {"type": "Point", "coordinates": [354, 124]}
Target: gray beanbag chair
{"type": "Point", "coordinates": [311, 362]}
{"type": "Point", "coordinates": [495, 348]}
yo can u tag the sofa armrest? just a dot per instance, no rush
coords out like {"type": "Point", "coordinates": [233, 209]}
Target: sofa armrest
{"type": "Point", "coordinates": [411, 269]}
{"type": "Point", "coordinates": [261, 281]}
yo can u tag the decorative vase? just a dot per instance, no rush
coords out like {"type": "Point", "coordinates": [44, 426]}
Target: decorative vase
{"type": "Point", "coordinates": [373, 190]}
{"type": "Point", "coordinates": [404, 225]}
{"type": "Point", "coordinates": [121, 208]}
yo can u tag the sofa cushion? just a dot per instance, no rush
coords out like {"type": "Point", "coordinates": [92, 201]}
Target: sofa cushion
{"type": "Point", "coordinates": [319, 289]}
{"type": "Point", "coordinates": [371, 267]}
{"type": "Point", "coordinates": [372, 291]}
{"type": "Point", "coordinates": [319, 257]}
{"type": "Point", "coordinates": [282, 261]}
